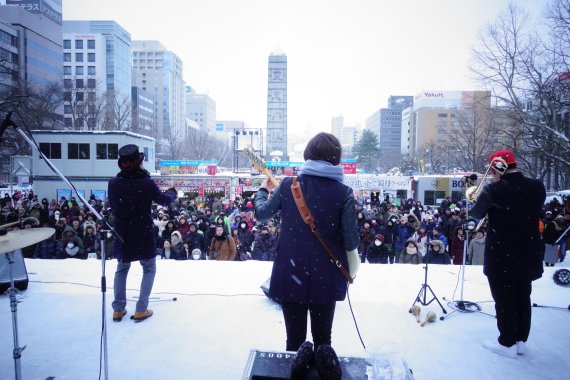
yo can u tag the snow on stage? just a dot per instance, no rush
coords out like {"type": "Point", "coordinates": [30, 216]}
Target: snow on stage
{"type": "Point", "coordinates": [221, 314]}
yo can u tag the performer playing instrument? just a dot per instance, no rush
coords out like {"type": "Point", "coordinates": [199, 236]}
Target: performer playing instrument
{"type": "Point", "coordinates": [513, 248]}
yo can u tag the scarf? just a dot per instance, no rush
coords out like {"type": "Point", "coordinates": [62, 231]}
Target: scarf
{"type": "Point", "coordinates": [323, 169]}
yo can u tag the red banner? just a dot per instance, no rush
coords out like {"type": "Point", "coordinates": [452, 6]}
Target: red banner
{"type": "Point", "coordinates": [201, 190]}
{"type": "Point", "coordinates": [212, 169]}
{"type": "Point", "coordinates": [349, 167]}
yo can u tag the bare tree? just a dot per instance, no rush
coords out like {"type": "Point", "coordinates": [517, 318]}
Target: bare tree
{"type": "Point", "coordinates": [527, 75]}
{"type": "Point", "coordinates": [119, 113]}
{"type": "Point", "coordinates": [200, 145]}
{"type": "Point", "coordinates": [175, 143]}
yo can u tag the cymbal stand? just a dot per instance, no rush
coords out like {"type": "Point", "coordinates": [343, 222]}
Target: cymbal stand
{"type": "Point", "coordinates": [17, 353]}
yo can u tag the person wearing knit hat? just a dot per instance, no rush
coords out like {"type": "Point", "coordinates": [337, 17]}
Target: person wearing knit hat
{"type": "Point", "coordinates": [377, 251]}
{"type": "Point", "coordinates": [513, 249]}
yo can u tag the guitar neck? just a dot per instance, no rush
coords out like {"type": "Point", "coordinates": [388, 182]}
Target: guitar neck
{"type": "Point", "coordinates": [270, 177]}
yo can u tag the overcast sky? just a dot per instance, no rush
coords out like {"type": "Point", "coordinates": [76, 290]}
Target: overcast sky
{"type": "Point", "coordinates": [344, 57]}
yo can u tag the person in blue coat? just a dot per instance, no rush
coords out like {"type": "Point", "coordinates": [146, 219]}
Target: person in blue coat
{"type": "Point", "coordinates": [304, 280]}
{"type": "Point", "coordinates": [131, 194]}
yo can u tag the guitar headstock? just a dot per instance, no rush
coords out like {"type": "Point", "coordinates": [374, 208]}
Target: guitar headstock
{"type": "Point", "coordinates": [256, 160]}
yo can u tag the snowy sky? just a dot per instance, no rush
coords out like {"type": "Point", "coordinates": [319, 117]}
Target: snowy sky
{"type": "Point", "coordinates": [221, 314]}
{"type": "Point", "coordinates": [344, 57]}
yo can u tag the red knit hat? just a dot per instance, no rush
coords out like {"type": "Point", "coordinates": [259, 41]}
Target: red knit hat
{"type": "Point", "coordinates": [379, 237]}
{"type": "Point", "coordinates": [506, 155]}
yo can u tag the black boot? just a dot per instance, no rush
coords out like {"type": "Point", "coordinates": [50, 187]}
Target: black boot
{"type": "Point", "coordinates": [303, 361]}
{"type": "Point", "coordinates": [328, 364]}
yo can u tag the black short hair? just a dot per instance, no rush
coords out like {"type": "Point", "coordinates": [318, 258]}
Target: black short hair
{"type": "Point", "coordinates": [324, 147]}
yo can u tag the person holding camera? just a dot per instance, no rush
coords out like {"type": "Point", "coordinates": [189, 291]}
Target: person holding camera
{"type": "Point", "coordinates": [131, 194]}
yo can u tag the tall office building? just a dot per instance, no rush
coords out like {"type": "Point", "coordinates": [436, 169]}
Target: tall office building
{"type": "Point", "coordinates": [337, 123]}
{"type": "Point", "coordinates": [277, 106]}
{"type": "Point", "coordinates": [110, 46]}
{"type": "Point", "coordinates": [160, 72]}
{"type": "Point", "coordinates": [143, 111]}
{"type": "Point", "coordinates": [202, 109]}
{"type": "Point", "coordinates": [30, 46]}
{"type": "Point", "coordinates": [386, 123]}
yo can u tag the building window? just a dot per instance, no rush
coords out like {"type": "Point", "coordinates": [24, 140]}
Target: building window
{"type": "Point", "coordinates": [67, 83]}
{"type": "Point", "coordinates": [107, 151]}
{"type": "Point", "coordinates": [91, 83]}
{"type": "Point", "coordinates": [66, 57]}
{"type": "Point", "coordinates": [67, 44]}
{"type": "Point", "coordinates": [91, 70]}
{"type": "Point", "coordinates": [79, 83]}
{"type": "Point", "coordinates": [79, 44]}
{"type": "Point", "coordinates": [78, 70]}
{"type": "Point", "coordinates": [77, 151]}
{"type": "Point", "coordinates": [90, 44]}
{"type": "Point", "coordinates": [78, 57]}
{"type": "Point", "coordinates": [79, 96]}
{"type": "Point", "coordinates": [67, 122]}
{"type": "Point", "coordinates": [91, 96]}
{"type": "Point", "coordinates": [51, 150]}
{"type": "Point", "coordinates": [67, 109]}
{"type": "Point", "coordinates": [441, 115]}
{"type": "Point", "coordinates": [67, 96]}
{"type": "Point", "coordinates": [90, 57]}
{"type": "Point", "coordinates": [66, 70]}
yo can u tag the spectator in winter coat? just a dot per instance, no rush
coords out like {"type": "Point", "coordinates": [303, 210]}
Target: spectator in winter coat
{"type": "Point", "coordinates": [421, 239]}
{"type": "Point", "coordinates": [222, 248]}
{"type": "Point", "coordinates": [457, 246]}
{"type": "Point", "coordinates": [366, 236]}
{"type": "Point", "coordinates": [90, 241]}
{"type": "Point", "coordinates": [217, 206]}
{"type": "Point", "coordinates": [166, 251]}
{"type": "Point", "coordinates": [72, 246]}
{"type": "Point", "coordinates": [404, 231]}
{"type": "Point", "coordinates": [552, 231]}
{"type": "Point", "coordinates": [235, 223]}
{"type": "Point", "coordinates": [168, 230]}
{"type": "Point", "coordinates": [437, 235]}
{"type": "Point", "coordinates": [177, 251]}
{"type": "Point", "coordinates": [183, 227]}
{"type": "Point", "coordinates": [49, 248]}
{"type": "Point", "coordinates": [195, 239]}
{"type": "Point", "coordinates": [451, 225]}
{"type": "Point", "coordinates": [476, 250]}
{"type": "Point", "coordinates": [436, 253]}
{"type": "Point", "coordinates": [245, 237]}
{"type": "Point", "coordinates": [377, 252]}
{"type": "Point", "coordinates": [410, 253]}
{"type": "Point", "coordinates": [263, 247]}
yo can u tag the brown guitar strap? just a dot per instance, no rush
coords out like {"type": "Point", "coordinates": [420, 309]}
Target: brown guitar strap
{"type": "Point", "coordinates": [308, 218]}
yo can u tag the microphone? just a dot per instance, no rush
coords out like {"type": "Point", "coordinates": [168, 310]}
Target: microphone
{"type": "Point", "coordinates": [471, 177]}
{"type": "Point", "coordinates": [5, 124]}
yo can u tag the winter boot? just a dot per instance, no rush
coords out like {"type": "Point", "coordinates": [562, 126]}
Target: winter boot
{"type": "Point", "coordinates": [328, 364]}
{"type": "Point", "coordinates": [142, 315]}
{"type": "Point", "coordinates": [118, 315]}
{"type": "Point", "coordinates": [303, 361]}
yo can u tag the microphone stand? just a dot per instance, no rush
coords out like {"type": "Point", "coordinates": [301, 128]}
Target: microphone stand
{"type": "Point", "coordinates": [461, 304]}
{"type": "Point", "coordinates": [8, 122]}
{"type": "Point", "coordinates": [17, 353]}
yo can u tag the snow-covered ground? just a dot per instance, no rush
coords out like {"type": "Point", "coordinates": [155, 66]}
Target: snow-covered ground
{"type": "Point", "coordinates": [221, 314]}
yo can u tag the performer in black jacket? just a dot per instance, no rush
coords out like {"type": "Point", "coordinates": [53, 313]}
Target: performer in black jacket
{"type": "Point", "coordinates": [513, 249]}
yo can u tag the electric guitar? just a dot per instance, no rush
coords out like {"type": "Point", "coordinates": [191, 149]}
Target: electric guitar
{"type": "Point", "coordinates": [259, 164]}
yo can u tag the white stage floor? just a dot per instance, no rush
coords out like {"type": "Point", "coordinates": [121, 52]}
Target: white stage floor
{"type": "Point", "coordinates": [221, 313]}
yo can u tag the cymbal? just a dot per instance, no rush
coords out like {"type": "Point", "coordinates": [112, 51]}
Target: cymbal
{"type": "Point", "coordinates": [17, 239]}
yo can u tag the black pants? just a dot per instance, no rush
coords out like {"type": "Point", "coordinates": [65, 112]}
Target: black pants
{"type": "Point", "coordinates": [513, 308]}
{"type": "Point", "coordinates": [295, 315]}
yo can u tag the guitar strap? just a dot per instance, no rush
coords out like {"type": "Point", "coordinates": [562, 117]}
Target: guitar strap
{"type": "Point", "coordinates": [308, 218]}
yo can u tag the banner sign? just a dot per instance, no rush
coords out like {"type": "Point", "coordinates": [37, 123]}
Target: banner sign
{"type": "Point", "coordinates": [379, 183]}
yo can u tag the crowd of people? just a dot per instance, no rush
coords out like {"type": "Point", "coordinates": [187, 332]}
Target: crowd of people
{"type": "Point", "coordinates": [214, 229]}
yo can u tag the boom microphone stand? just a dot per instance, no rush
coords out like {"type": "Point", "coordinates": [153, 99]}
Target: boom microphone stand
{"type": "Point", "coordinates": [17, 353]}
{"type": "Point", "coordinates": [7, 122]}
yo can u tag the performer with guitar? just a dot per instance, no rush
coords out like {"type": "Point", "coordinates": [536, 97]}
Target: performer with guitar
{"type": "Point", "coordinates": [304, 279]}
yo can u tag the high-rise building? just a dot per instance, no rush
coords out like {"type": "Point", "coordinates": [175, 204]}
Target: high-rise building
{"type": "Point", "coordinates": [386, 123]}
{"type": "Point", "coordinates": [337, 123]}
{"type": "Point", "coordinates": [30, 46]}
{"type": "Point", "coordinates": [202, 109]}
{"type": "Point", "coordinates": [110, 46]}
{"type": "Point", "coordinates": [143, 111]}
{"type": "Point", "coordinates": [50, 9]}
{"type": "Point", "coordinates": [277, 107]}
{"type": "Point", "coordinates": [160, 72]}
